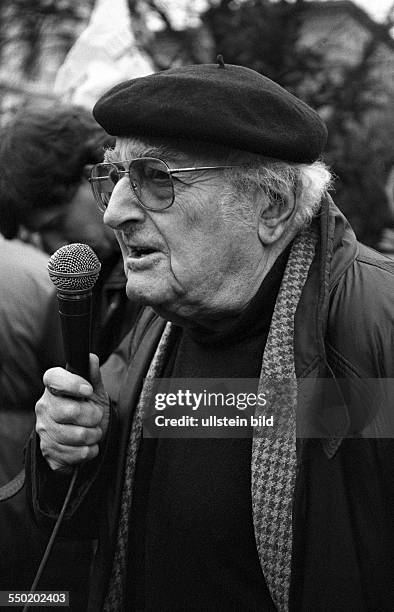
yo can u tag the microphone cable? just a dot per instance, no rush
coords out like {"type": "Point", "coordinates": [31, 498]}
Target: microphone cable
{"type": "Point", "coordinates": [52, 538]}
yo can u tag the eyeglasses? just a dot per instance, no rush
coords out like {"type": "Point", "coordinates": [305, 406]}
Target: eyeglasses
{"type": "Point", "coordinates": [150, 179]}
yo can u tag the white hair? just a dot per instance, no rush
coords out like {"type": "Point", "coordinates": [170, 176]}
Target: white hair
{"type": "Point", "coordinates": [278, 180]}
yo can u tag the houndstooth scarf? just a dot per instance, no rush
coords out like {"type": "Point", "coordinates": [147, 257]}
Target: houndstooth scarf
{"type": "Point", "coordinates": [273, 457]}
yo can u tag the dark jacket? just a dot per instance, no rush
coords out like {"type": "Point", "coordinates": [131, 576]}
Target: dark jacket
{"type": "Point", "coordinates": [343, 549]}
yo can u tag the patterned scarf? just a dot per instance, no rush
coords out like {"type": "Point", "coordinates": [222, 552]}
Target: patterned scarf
{"type": "Point", "coordinates": [273, 458]}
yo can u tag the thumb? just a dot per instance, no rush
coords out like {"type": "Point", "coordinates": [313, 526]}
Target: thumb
{"type": "Point", "coordinates": [95, 375]}
{"type": "Point", "coordinates": [100, 394]}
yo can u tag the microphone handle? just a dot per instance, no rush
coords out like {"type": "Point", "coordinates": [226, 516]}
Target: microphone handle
{"type": "Point", "coordinates": [75, 316]}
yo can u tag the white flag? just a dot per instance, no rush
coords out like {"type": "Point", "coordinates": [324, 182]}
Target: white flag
{"type": "Point", "coordinates": [105, 54]}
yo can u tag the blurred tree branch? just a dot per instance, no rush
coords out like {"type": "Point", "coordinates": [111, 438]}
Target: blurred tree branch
{"type": "Point", "coordinates": [24, 22]}
{"type": "Point", "coordinates": [353, 96]}
{"type": "Point", "coordinates": [181, 45]}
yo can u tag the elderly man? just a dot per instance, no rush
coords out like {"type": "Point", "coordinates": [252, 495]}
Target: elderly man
{"type": "Point", "coordinates": [220, 206]}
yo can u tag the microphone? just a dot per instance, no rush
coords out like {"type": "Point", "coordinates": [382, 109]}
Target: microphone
{"type": "Point", "coordinates": [74, 270]}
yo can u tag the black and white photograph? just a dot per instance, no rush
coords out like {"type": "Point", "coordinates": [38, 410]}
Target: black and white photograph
{"type": "Point", "coordinates": [197, 305]}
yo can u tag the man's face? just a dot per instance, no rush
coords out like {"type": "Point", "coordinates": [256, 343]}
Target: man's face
{"type": "Point", "coordinates": [79, 220]}
{"type": "Point", "coordinates": [197, 262]}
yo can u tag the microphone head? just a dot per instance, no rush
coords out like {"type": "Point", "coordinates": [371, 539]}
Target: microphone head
{"type": "Point", "coordinates": [74, 267]}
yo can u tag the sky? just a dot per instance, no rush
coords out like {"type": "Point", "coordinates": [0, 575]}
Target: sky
{"type": "Point", "coordinates": [376, 8]}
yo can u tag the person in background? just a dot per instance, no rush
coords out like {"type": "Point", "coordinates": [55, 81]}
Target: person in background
{"type": "Point", "coordinates": [46, 152]}
{"type": "Point", "coordinates": [30, 342]}
{"type": "Point", "coordinates": [29, 325]}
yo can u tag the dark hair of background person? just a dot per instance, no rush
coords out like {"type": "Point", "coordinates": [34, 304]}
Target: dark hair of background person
{"type": "Point", "coordinates": [43, 151]}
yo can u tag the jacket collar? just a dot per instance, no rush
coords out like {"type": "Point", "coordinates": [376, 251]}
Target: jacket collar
{"type": "Point", "coordinates": [337, 250]}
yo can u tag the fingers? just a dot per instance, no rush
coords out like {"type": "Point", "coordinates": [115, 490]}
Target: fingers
{"type": "Point", "coordinates": [72, 417]}
{"type": "Point", "coordinates": [60, 457]}
{"type": "Point", "coordinates": [65, 383]}
{"type": "Point", "coordinates": [68, 435]}
{"type": "Point", "coordinates": [65, 444]}
{"type": "Point", "coordinates": [68, 411]}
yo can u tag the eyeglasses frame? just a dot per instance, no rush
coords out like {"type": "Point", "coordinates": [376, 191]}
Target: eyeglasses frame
{"type": "Point", "coordinates": [171, 171]}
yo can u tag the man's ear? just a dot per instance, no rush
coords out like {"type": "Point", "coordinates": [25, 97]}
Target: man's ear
{"type": "Point", "coordinates": [274, 216]}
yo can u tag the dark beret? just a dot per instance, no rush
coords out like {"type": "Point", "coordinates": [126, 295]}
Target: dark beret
{"type": "Point", "coordinates": [223, 104]}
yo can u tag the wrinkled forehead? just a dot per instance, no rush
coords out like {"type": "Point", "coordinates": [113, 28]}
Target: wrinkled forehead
{"type": "Point", "coordinates": [173, 151]}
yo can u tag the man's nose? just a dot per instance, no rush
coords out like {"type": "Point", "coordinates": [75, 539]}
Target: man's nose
{"type": "Point", "coordinates": [123, 206]}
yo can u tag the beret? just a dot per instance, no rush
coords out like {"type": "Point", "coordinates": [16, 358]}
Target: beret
{"type": "Point", "coordinates": [215, 103]}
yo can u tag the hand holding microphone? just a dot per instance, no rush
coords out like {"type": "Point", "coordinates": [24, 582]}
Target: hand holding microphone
{"type": "Point", "coordinates": [73, 413]}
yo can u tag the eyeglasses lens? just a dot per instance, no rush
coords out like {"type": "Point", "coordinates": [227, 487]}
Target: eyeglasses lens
{"type": "Point", "coordinates": [152, 183]}
{"type": "Point", "coordinates": [103, 179]}
{"type": "Point", "coordinates": [150, 180]}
